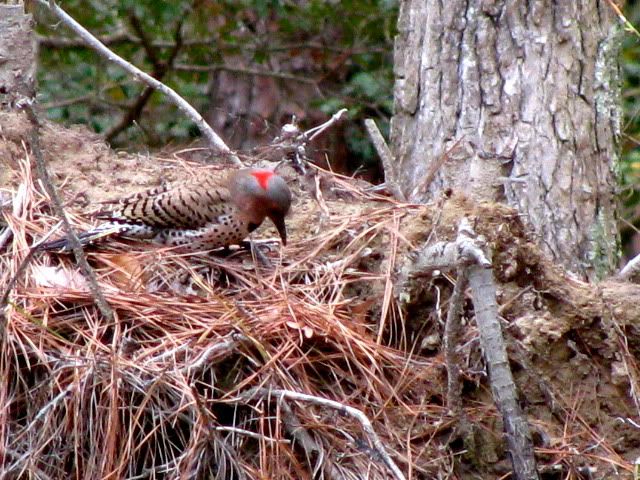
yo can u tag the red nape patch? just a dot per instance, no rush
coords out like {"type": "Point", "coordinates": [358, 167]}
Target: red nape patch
{"type": "Point", "coordinates": [263, 177]}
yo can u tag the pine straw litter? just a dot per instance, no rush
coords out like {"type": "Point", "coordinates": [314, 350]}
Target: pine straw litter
{"type": "Point", "coordinates": [193, 377]}
{"type": "Point", "coordinates": [217, 366]}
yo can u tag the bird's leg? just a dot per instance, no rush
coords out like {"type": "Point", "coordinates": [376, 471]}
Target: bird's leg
{"type": "Point", "coordinates": [255, 250]}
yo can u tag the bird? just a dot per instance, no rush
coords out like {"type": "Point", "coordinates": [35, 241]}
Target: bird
{"type": "Point", "coordinates": [208, 212]}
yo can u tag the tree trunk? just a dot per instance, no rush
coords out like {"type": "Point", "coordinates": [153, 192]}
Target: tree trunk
{"type": "Point", "coordinates": [17, 54]}
{"type": "Point", "coordinates": [519, 100]}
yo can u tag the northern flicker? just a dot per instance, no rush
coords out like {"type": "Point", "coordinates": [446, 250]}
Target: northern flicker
{"type": "Point", "coordinates": [206, 213]}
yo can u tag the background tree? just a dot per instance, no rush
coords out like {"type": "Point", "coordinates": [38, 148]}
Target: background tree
{"type": "Point", "coordinates": [519, 102]}
{"type": "Point", "coordinates": [353, 340]}
{"type": "Point", "coordinates": [247, 66]}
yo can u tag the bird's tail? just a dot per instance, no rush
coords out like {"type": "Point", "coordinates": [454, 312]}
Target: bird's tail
{"type": "Point", "coordinates": [89, 237]}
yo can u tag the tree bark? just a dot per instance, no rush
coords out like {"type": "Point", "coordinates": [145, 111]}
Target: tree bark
{"type": "Point", "coordinates": [17, 54]}
{"type": "Point", "coordinates": [531, 88]}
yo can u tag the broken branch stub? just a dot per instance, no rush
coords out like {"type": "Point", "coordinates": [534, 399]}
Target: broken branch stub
{"type": "Point", "coordinates": [468, 254]}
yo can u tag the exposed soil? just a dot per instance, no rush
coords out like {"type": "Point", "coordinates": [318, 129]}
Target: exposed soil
{"type": "Point", "coordinates": [574, 346]}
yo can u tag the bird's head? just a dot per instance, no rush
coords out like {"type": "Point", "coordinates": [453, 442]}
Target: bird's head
{"type": "Point", "coordinates": [262, 193]}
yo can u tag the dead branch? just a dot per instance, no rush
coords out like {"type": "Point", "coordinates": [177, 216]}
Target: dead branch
{"type": "Point", "coordinates": [123, 36]}
{"type": "Point", "coordinates": [214, 140]}
{"type": "Point", "coordinates": [386, 157]}
{"type": "Point", "coordinates": [98, 297]}
{"type": "Point", "coordinates": [630, 269]}
{"type": "Point", "coordinates": [228, 344]}
{"type": "Point", "coordinates": [467, 252]}
{"type": "Point", "coordinates": [345, 409]}
{"type": "Point", "coordinates": [441, 256]}
{"type": "Point", "coordinates": [248, 433]}
{"type": "Point", "coordinates": [314, 132]}
{"type": "Point", "coordinates": [290, 145]}
{"type": "Point", "coordinates": [501, 379]}
{"type": "Point", "coordinates": [433, 169]}
{"type": "Point", "coordinates": [451, 343]}
{"type": "Point", "coordinates": [119, 37]}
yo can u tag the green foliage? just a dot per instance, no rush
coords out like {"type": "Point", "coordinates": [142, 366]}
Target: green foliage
{"type": "Point", "coordinates": [353, 58]}
{"type": "Point", "coordinates": [350, 43]}
{"type": "Point", "coordinates": [630, 160]}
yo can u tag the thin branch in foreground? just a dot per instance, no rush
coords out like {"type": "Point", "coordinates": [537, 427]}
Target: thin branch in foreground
{"type": "Point", "coordinates": [519, 441]}
{"type": "Point", "coordinates": [314, 132]}
{"type": "Point", "coordinates": [291, 143]}
{"type": "Point", "coordinates": [213, 138]}
{"type": "Point", "coordinates": [378, 446]}
{"type": "Point", "coordinates": [433, 169]}
{"type": "Point", "coordinates": [248, 433]}
{"type": "Point", "coordinates": [97, 294]}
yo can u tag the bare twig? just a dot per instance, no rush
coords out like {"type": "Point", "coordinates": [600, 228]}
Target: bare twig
{"type": "Point", "coordinates": [114, 38]}
{"type": "Point", "coordinates": [442, 256]}
{"type": "Point", "coordinates": [248, 433]}
{"type": "Point", "coordinates": [501, 379]}
{"type": "Point", "coordinates": [291, 143]}
{"type": "Point", "coordinates": [630, 269]}
{"type": "Point", "coordinates": [99, 298]}
{"type": "Point", "coordinates": [228, 344]}
{"type": "Point", "coordinates": [386, 157]}
{"type": "Point", "coordinates": [314, 132]}
{"type": "Point", "coordinates": [214, 140]}
{"type": "Point", "coordinates": [483, 288]}
{"type": "Point", "coordinates": [123, 36]}
{"type": "Point", "coordinates": [452, 341]}
{"type": "Point", "coordinates": [67, 102]}
{"type": "Point", "coordinates": [346, 409]}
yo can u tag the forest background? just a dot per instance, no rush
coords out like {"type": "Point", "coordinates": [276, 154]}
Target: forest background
{"type": "Point", "coordinates": [249, 67]}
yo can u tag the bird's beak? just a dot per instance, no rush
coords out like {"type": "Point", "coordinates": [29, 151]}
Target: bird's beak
{"type": "Point", "coordinates": [281, 227]}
